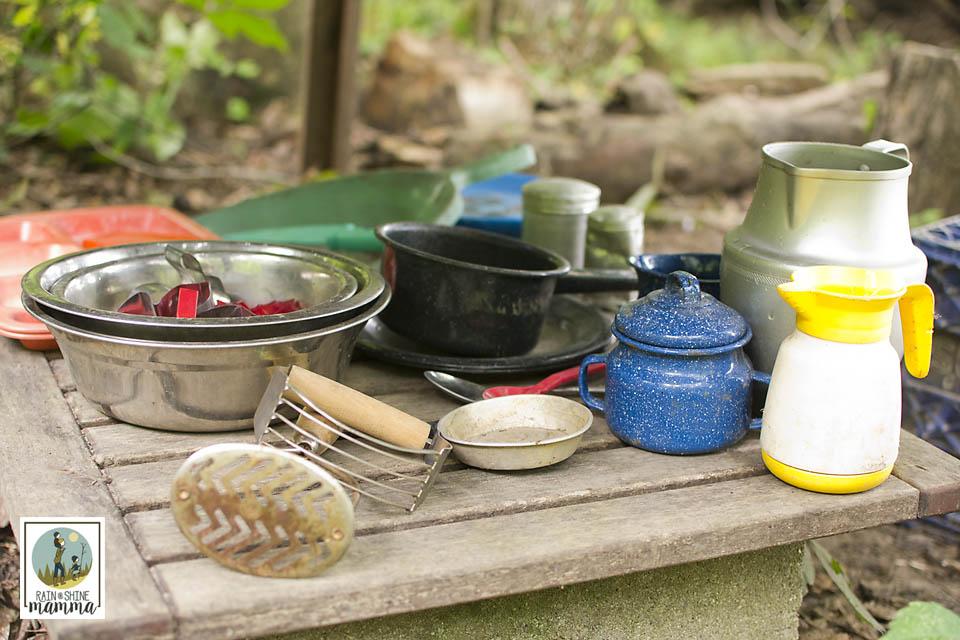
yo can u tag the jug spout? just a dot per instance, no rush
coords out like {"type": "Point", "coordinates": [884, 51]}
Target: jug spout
{"type": "Point", "coordinates": [916, 317]}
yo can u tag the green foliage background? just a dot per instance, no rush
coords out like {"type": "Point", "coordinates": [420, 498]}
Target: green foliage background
{"type": "Point", "coordinates": [105, 73]}
{"type": "Point", "coordinates": [589, 45]}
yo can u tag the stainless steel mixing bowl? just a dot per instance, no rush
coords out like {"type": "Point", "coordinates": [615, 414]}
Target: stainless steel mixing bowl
{"type": "Point", "coordinates": [194, 386]}
{"type": "Point", "coordinates": [83, 289]}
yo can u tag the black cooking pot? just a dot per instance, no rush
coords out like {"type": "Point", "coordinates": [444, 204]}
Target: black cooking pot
{"type": "Point", "coordinates": [476, 293]}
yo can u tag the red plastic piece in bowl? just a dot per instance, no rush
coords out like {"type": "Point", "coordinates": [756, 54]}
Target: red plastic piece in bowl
{"type": "Point", "coordinates": [193, 296]}
{"type": "Point", "coordinates": [274, 307]}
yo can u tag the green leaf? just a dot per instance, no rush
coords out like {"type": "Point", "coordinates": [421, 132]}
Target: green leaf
{"type": "Point", "coordinates": [870, 112]}
{"type": "Point", "coordinates": [247, 68]}
{"type": "Point", "coordinates": [262, 31]}
{"type": "Point", "coordinates": [86, 126]}
{"type": "Point", "coordinates": [167, 143]}
{"type": "Point", "coordinates": [924, 621]}
{"type": "Point", "coordinates": [201, 49]}
{"type": "Point", "coordinates": [172, 31]}
{"type": "Point", "coordinates": [835, 571]}
{"type": "Point", "coordinates": [809, 570]}
{"type": "Point", "coordinates": [925, 217]}
{"type": "Point", "coordinates": [18, 193]}
{"type": "Point", "coordinates": [140, 22]}
{"type": "Point", "coordinates": [238, 109]}
{"type": "Point", "coordinates": [24, 16]}
{"type": "Point", "coordinates": [35, 120]}
{"type": "Point", "coordinates": [261, 5]}
{"type": "Point", "coordinates": [194, 4]}
{"type": "Point", "coordinates": [118, 32]}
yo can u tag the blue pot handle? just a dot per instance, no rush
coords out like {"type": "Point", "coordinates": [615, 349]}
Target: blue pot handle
{"type": "Point", "coordinates": [588, 399]}
{"type": "Point", "coordinates": [762, 378]}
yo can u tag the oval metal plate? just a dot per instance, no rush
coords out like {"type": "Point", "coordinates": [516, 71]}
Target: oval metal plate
{"type": "Point", "coordinates": [262, 511]}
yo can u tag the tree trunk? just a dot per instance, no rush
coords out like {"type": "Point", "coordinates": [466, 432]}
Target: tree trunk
{"type": "Point", "coordinates": [921, 111]}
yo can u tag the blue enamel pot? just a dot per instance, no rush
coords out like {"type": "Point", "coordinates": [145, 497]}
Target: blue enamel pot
{"type": "Point", "coordinates": [678, 380]}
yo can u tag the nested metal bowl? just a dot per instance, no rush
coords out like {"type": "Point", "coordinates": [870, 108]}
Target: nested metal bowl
{"type": "Point", "coordinates": [194, 386]}
{"type": "Point", "coordinates": [83, 289]}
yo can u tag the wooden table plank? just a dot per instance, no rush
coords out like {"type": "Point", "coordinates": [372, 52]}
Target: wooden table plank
{"type": "Point", "coordinates": [402, 571]}
{"type": "Point", "coordinates": [471, 494]}
{"type": "Point", "coordinates": [934, 472]}
{"type": "Point", "coordinates": [62, 373]}
{"type": "Point", "coordinates": [47, 471]}
{"type": "Point", "coordinates": [123, 444]}
{"type": "Point", "coordinates": [85, 414]}
{"type": "Point", "coordinates": [146, 486]}
{"type": "Point", "coordinates": [376, 378]}
{"type": "Point", "coordinates": [608, 510]}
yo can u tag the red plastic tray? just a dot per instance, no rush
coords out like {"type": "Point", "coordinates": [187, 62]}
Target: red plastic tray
{"type": "Point", "coordinates": [103, 226]}
{"type": "Point", "coordinates": [31, 238]}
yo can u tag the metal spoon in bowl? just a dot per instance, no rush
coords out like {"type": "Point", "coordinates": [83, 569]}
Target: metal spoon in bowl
{"type": "Point", "coordinates": [153, 289]}
{"type": "Point", "coordinates": [190, 270]}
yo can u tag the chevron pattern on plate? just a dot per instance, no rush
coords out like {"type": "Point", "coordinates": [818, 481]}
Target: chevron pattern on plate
{"type": "Point", "coordinates": [262, 511]}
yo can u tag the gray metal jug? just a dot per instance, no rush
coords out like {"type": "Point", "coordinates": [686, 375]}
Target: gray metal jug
{"type": "Point", "coordinates": [817, 203]}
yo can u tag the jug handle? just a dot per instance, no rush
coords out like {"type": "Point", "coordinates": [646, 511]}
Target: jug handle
{"type": "Point", "coordinates": [762, 378]}
{"type": "Point", "coordinates": [886, 146]}
{"type": "Point", "coordinates": [588, 399]}
{"type": "Point", "coordinates": [916, 320]}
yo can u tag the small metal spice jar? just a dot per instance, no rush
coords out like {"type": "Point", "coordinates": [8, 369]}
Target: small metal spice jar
{"type": "Point", "coordinates": [614, 234]}
{"type": "Point", "coordinates": [555, 212]}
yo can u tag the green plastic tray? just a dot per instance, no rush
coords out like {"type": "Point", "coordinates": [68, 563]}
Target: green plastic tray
{"type": "Point", "coordinates": [342, 213]}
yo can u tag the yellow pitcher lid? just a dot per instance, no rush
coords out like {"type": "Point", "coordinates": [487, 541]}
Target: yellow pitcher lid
{"type": "Point", "coordinates": [855, 305]}
{"type": "Point", "coordinates": [844, 304]}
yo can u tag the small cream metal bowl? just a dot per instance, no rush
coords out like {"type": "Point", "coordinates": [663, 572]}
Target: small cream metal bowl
{"type": "Point", "coordinates": [516, 432]}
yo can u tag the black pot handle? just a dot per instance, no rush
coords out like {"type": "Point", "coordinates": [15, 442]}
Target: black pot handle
{"type": "Point", "coordinates": [597, 281]}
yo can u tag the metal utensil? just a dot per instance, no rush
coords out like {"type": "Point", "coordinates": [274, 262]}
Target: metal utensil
{"type": "Point", "coordinates": [468, 391]}
{"type": "Point", "coordinates": [191, 271]}
{"type": "Point", "coordinates": [155, 290]}
{"type": "Point", "coordinates": [193, 386]}
{"type": "Point", "coordinates": [262, 511]}
{"type": "Point", "coordinates": [392, 457]}
{"type": "Point", "coordinates": [84, 289]}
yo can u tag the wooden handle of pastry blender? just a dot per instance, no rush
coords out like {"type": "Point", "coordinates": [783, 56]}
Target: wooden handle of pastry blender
{"type": "Point", "coordinates": [308, 422]}
{"type": "Point", "coordinates": [359, 410]}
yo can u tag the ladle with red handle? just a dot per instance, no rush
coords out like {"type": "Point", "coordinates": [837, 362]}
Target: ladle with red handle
{"type": "Point", "coordinates": [546, 385]}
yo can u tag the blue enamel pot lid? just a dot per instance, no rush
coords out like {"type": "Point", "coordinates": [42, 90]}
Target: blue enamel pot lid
{"type": "Point", "coordinates": [680, 316]}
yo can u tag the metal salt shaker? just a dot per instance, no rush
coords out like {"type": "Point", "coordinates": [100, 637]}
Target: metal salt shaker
{"type": "Point", "coordinates": [614, 233]}
{"type": "Point", "coordinates": [555, 212]}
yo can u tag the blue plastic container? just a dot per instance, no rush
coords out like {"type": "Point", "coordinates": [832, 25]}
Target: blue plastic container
{"type": "Point", "coordinates": [496, 204]}
{"type": "Point", "coordinates": [940, 242]}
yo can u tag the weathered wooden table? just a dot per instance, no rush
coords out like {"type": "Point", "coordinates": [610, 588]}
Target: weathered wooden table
{"type": "Point", "coordinates": [614, 542]}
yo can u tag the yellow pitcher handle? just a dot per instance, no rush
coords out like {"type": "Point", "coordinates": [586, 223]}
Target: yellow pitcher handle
{"type": "Point", "coordinates": [916, 319]}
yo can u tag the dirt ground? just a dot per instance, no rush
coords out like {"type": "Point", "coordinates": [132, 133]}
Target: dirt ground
{"type": "Point", "coordinates": [889, 566]}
